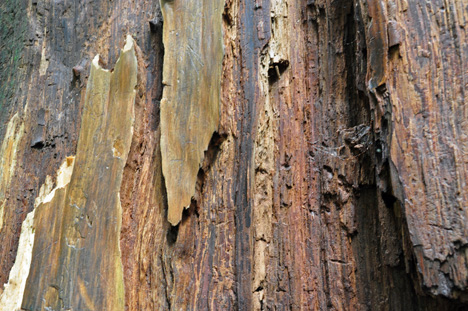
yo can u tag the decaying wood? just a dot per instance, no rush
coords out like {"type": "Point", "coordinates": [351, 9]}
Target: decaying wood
{"type": "Point", "coordinates": [77, 230]}
{"type": "Point", "coordinates": [336, 179]}
{"type": "Point", "coordinates": [77, 233]}
{"type": "Point", "coordinates": [192, 37]}
{"type": "Point", "coordinates": [427, 144]}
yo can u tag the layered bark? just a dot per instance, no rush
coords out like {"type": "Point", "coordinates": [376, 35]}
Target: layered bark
{"type": "Point", "coordinates": [336, 178]}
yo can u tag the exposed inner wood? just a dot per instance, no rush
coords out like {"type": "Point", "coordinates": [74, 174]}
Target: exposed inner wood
{"type": "Point", "coordinates": [335, 178]}
{"type": "Point", "coordinates": [192, 36]}
{"type": "Point", "coordinates": [77, 230]}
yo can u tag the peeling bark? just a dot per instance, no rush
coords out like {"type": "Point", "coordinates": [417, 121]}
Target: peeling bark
{"type": "Point", "coordinates": [335, 180]}
{"type": "Point", "coordinates": [77, 229]}
{"type": "Point", "coordinates": [193, 57]}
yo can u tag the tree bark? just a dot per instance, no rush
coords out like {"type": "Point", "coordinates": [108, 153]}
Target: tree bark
{"type": "Point", "coordinates": [335, 178]}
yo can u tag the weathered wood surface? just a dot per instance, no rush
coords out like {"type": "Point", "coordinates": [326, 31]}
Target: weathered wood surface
{"type": "Point", "coordinates": [429, 138]}
{"type": "Point", "coordinates": [193, 57]}
{"type": "Point", "coordinates": [337, 179]}
{"type": "Point", "coordinates": [77, 232]}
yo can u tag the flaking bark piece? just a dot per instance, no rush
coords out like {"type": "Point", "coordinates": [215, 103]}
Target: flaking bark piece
{"type": "Point", "coordinates": [192, 36]}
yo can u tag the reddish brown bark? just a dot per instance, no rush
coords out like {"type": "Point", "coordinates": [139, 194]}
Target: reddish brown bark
{"type": "Point", "coordinates": [337, 176]}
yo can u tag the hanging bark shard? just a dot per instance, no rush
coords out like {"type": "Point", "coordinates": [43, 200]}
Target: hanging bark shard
{"type": "Point", "coordinates": [192, 36]}
{"type": "Point", "coordinates": [78, 227]}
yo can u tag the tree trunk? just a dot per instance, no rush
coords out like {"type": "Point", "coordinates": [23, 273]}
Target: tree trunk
{"type": "Point", "coordinates": [237, 155]}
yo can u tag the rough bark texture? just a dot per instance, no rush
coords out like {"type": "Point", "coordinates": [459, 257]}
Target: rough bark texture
{"type": "Point", "coordinates": [336, 179]}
